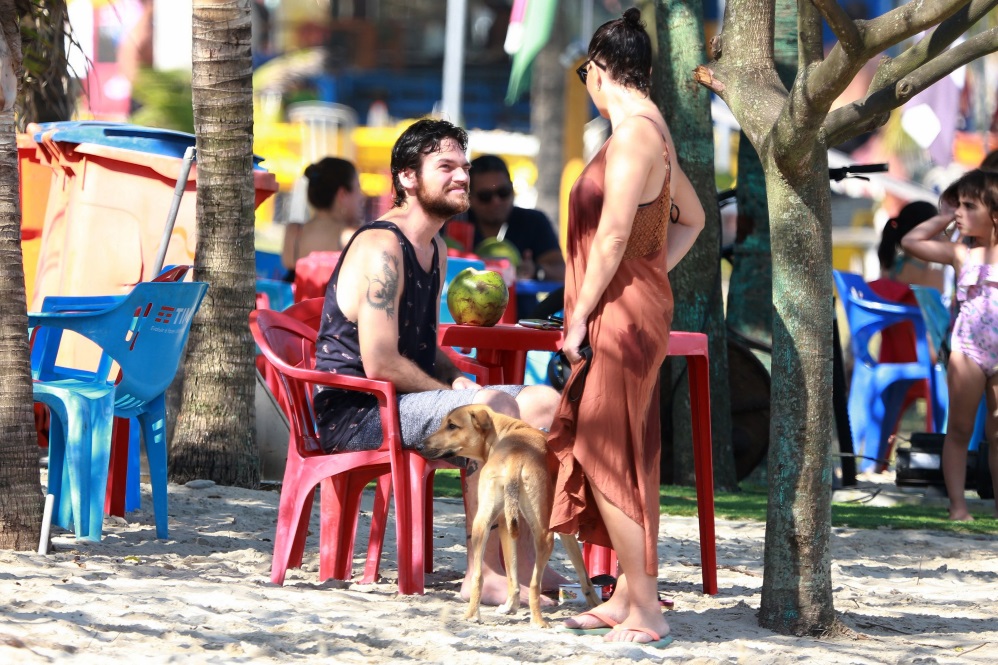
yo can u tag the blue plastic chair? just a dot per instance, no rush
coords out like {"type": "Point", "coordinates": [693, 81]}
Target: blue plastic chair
{"type": "Point", "coordinates": [144, 333]}
{"type": "Point", "coordinates": [455, 265]}
{"type": "Point", "coordinates": [878, 389]}
{"type": "Point", "coordinates": [45, 345]}
{"type": "Point", "coordinates": [279, 293]}
{"type": "Point", "coordinates": [937, 318]}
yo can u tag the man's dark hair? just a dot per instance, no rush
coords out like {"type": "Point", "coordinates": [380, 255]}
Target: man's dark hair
{"type": "Point", "coordinates": [327, 177]}
{"type": "Point", "coordinates": [623, 48]}
{"type": "Point", "coordinates": [420, 139]}
{"type": "Point", "coordinates": [488, 164]}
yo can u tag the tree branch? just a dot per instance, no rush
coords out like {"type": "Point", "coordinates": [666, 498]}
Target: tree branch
{"type": "Point", "coordinates": [829, 78]}
{"type": "Point", "coordinates": [810, 49]}
{"type": "Point", "coordinates": [905, 21]}
{"type": "Point", "coordinates": [853, 119]}
{"type": "Point", "coordinates": [843, 27]}
{"type": "Point", "coordinates": [932, 45]}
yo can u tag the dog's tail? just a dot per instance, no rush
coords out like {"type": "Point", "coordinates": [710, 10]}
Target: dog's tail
{"type": "Point", "coordinates": [511, 507]}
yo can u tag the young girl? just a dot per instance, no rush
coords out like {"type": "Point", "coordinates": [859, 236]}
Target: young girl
{"type": "Point", "coordinates": [972, 202]}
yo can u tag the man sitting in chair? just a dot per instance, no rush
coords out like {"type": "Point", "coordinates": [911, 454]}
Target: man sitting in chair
{"type": "Point", "coordinates": [380, 316]}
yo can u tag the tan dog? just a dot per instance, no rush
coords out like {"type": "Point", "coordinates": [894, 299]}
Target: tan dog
{"type": "Point", "coordinates": [513, 481]}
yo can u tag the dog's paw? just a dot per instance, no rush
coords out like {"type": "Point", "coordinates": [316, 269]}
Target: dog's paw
{"type": "Point", "coordinates": [473, 616]}
{"type": "Point", "coordinates": [539, 622]}
{"type": "Point", "coordinates": [509, 607]}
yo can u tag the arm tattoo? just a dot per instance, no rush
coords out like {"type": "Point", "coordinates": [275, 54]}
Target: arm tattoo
{"type": "Point", "coordinates": [382, 290]}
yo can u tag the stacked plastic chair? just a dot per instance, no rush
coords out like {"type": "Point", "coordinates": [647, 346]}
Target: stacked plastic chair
{"type": "Point", "coordinates": [143, 334]}
{"type": "Point", "coordinates": [877, 390]}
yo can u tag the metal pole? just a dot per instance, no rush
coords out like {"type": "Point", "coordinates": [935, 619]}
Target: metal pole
{"type": "Point", "coordinates": [171, 218]}
{"type": "Point", "coordinates": [457, 11]}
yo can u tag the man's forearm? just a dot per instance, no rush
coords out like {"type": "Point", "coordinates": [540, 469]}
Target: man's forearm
{"type": "Point", "coordinates": [406, 376]}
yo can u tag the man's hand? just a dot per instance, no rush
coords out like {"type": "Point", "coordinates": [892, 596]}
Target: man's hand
{"type": "Point", "coordinates": [464, 383]}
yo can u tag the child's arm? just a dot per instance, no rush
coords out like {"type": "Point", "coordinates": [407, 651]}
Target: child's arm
{"type": "Point", "coordinates": [924, 241]}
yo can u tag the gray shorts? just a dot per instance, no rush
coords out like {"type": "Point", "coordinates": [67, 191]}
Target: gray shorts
{"type": "Point", "coordinates": [420, 415]}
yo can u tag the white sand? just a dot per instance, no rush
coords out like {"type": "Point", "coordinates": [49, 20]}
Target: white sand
{"type": "Point", "coordinates": [204, 596]}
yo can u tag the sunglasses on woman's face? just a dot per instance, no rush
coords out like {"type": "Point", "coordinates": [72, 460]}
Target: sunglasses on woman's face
{"type": "Point", "coordinates": [485, 195]}
{"type": "Point", "coordinates": [583, 70]}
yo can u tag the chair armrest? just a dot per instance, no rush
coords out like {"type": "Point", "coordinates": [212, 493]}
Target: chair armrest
{"type": "Point", "coordinates": [466, 364]}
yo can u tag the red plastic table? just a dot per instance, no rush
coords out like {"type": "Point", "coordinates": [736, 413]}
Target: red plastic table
{"type": "Point", "coordinates": [502, 349]}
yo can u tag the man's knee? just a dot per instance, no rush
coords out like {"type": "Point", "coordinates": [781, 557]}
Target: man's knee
{"type": "Point", "coordinates": [498, 401]}
{"type": "Point", "coordinates": [538, 405]}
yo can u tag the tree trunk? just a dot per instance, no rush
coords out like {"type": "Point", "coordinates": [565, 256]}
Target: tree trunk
{"type": "Point", "coordinates": [547, 118]}
{"type": "Point", "coordinates": [20, 485]}
{"type": "Point", "coordinates": [750, 289]}
{"type": "Point", "coordinates": [696, 281]}
{"type": "Point", "coordinates": [215, 429]}
{"type": "Point", "coordinates": [797, 590]}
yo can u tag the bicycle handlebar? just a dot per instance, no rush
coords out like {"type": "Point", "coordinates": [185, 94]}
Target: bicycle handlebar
{"type": "Point", "coordinates": [836, 175]}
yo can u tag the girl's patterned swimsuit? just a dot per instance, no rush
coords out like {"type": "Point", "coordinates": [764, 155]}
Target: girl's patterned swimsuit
{"type": "Point", "coordinates": [975, 332]}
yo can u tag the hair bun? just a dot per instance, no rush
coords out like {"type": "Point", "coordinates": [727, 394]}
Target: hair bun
{"type": "Point", "coordinates": [633, 17]}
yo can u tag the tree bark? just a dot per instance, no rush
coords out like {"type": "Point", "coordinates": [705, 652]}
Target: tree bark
{"type": "Point", "coordinates": [797, 591]}
{"type": "Point", "coordinates": [696, 281]}
{"type": "Point", "coordinates": [547, 118]}
{"type": "Point", "coordinates": [215, 428]}
{"type": "Point", "coordinates": [21, 503]}
{"type": "Point", "coordinates": [750, 289]}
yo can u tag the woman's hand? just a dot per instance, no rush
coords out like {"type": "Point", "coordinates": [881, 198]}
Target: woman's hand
{"type": "Point", "coordinates": [575, 334]}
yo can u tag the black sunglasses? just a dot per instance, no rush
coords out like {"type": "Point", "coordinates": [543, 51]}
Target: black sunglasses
{"type": "Point", "coordinates": [485, 195]}
{"type": "Point", "coordinates": [583, 70]}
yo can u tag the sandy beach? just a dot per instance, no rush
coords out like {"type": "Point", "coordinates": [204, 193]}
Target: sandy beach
{"type": "Point", "coordinates": [204, 596]}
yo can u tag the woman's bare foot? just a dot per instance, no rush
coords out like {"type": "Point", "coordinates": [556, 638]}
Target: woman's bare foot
{"type": "Point", "coordinates": [640, 628]}
{"type": "Point", "coordinates": [961, 516]}
{"type": "Point", "coordinates": [607, 615]}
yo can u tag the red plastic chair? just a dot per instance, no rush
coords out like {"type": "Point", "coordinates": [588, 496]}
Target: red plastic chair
{"type": "Point", "coordinates": [337, 534]}
{"type": "Point", "coordinates": [312, 274]}
{"type": "Point", "coordinates": [694, 347]}
{"type": "Point", "coordinates": [289, 346]}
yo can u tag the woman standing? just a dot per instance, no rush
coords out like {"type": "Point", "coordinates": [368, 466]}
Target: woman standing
{"type": "Point", "coordinates": [619, 302]}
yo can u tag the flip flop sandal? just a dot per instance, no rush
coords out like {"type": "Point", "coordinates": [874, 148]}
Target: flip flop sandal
{"type": "Point", "coordinates": [598, 630]}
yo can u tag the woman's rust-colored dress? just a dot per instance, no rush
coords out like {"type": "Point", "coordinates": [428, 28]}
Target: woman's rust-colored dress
{"type": "Point", "coordinates": [611, 436]}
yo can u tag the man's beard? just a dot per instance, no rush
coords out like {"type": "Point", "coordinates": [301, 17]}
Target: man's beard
{"type": "Point", "coordinates": [438, 204]}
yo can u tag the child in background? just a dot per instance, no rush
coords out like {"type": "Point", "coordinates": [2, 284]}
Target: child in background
{"type": "Point", "coordinates": [972, 203]}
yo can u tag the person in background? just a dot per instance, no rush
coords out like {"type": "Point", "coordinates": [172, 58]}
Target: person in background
{"type": "Point", "coordinates": [380, 318]}
{"type": "Point", "coordinates": [337, 204]}
{"type": "Point", "coordinates": [494, 216]}
{"type": "Point", "coordinates": [897, 269]}
{"type": "Point", "coordinates": [972, 369]}
{"type": "Point", "coordinates": [618, 311]}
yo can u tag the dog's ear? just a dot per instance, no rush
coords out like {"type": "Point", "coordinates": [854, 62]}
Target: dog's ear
{"type": "Point", "coordinates": [482, 418]}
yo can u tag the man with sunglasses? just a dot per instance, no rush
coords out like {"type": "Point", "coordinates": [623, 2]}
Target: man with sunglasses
{"type": "Point", "coordinates": [494, 215]}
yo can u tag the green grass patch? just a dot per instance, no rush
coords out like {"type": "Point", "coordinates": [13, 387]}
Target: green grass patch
{"type": "Point", "coordinates": [750, 504]}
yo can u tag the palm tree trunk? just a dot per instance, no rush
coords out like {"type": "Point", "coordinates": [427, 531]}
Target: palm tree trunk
{"type": "Point", "coordinates": [20, 484]}
{"type": "Point", "coordinates": [216, 426]}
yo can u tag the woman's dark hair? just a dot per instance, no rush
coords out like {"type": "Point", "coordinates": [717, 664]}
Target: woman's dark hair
{"type": "Point", "coordinates": [910, 216]}
{"type": "Point", "coordinates": [990, 162]}
{"type": "Point", "coordinates": [420, 139]}
{"type": "Point", "coordinates": [327, 177]}
{"type": "Point", "coordinates": [623, 48]}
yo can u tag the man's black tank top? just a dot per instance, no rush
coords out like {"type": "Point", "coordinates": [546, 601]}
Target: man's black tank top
{"type": "Point", "coordinates": [337, 346]}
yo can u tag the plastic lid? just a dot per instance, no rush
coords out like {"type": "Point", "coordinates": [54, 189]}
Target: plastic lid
{"type": "Point", "coordinates": [165, 142]}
